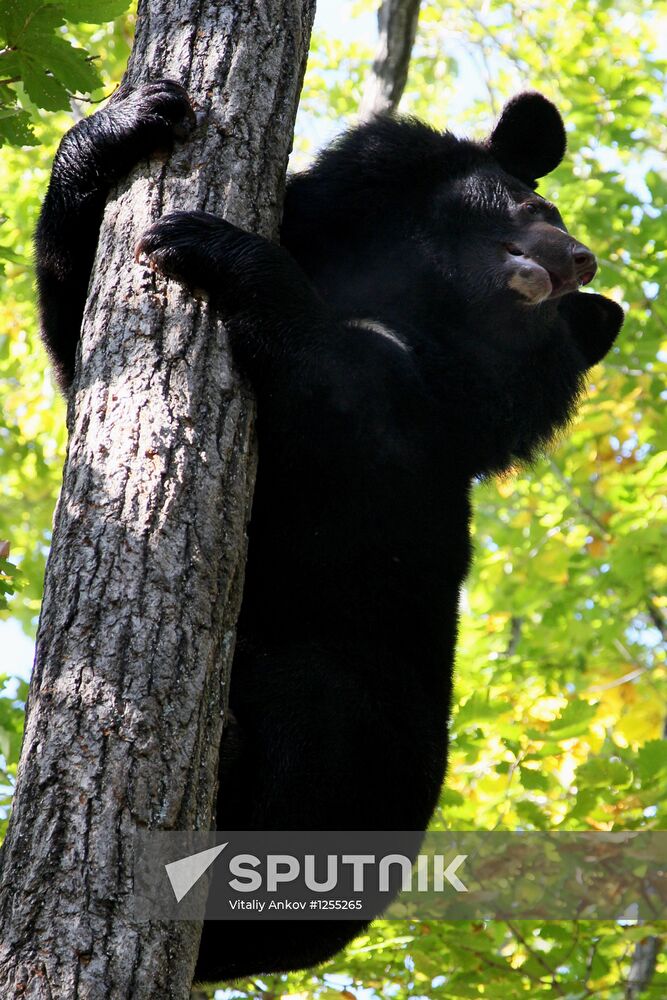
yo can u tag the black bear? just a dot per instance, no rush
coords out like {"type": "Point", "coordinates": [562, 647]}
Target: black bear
{"type": "Point", "coordinates": [420, 326]}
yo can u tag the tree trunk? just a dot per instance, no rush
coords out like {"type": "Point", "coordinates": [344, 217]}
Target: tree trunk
{"type": "Point", "coordinates": [646, 952]}
{"type": "Point", "coordinates": [397, 27]}
{"type": "Point", "coordinates": [145, 573]}
{"type": "Point", "coordinates": [642, 968]}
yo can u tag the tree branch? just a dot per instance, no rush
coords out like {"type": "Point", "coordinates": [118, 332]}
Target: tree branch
{"type": "Point", "coordinates": [397, 27]}
{"type": "Point", "coordinates": [537, 957]}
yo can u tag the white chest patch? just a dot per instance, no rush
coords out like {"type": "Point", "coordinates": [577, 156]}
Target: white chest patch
{"type": "Point", "coordinates": [374, 326]}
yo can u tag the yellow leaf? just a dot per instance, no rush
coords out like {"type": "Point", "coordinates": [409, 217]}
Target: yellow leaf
{"type": "Point", "coordinates": [597, 548]}
{"type": "Point", "coordinates": [497, 622]}
{"type": "Point", "coordinates": [505, 487]}
{"type": "Point", "coordinates": [547, 709]}
{"type": "Point", "coordinates": [643, 722]}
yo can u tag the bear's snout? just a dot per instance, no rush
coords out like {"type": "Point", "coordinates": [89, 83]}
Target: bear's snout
{"type": "Point", "coordinates": [543, 251]}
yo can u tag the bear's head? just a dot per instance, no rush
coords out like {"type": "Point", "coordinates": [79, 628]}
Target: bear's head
{"type": "Point", "coordinates": [510, 241]}
{"type": "Point", "coordinates": [501, 238]}
{"type": "Point", "coordinates": [418, 227]}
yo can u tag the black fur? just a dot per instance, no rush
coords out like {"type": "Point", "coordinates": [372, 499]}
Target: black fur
{"type": "Point", "coordinates": [529, 139]}
{"type": "Point", "coordinates": [93, 155]}
{"type": "Point", "coordinates": [419, 326]}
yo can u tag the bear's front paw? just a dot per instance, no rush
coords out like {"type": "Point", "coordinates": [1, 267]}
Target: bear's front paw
{"type": "Point", "coordinates": [187, 245]}
{"type": "Point", "coordinates": [236, 268]}
{"type": "Point", "coordinates": [137, 122]}
{"type": "Point", "coordinates": [160, 108]}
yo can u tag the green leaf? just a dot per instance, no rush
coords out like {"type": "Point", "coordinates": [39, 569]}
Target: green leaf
{"type": "Point", "coordinates": [534, 780]}
{"type": "Point", "coordinates": [600, 771]}
{"type": "Point", "coordinates": [573, 721]}
{"type": "Point", "coordinates": [44, 90]}
{"type": "Point", "coordinates": [10, 255]}
{"type": "Point", "coordinates": [450, 798]}
{"type": "Point", "coordinates": [478, 708]}
{"type": "Point", "coordinates": [68, 64]}
{"type": "Point", "coordinates": [651, 761]}
{"type": "Point", "coordinates": [16, 128]}
{"type": "Point", "coordinates": [95, 11]}
{"type": "Point", "coordinates": [20, 19]}
{"type": "Point", "coordinates": [531, 815]}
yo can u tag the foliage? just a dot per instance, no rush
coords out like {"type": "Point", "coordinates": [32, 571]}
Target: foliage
{"type": "Point", "coordinates": [560, 695]}
{"type": "Point", "coordinates": [13, 694]}
{"type": "Point", "coordinates": [39, 65]}
{"type": "Point", "coordinates": [32, 435]}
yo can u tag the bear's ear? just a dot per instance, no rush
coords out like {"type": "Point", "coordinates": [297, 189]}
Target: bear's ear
{"type": "Point", "coordinates": [529, 139]}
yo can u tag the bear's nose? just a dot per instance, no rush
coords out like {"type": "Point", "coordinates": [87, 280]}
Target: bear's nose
{"type": "Point", "coordinates": [585, 263]}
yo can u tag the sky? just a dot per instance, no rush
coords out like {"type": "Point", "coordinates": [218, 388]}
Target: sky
{"type": "Point", "coordinates": [336, 19]}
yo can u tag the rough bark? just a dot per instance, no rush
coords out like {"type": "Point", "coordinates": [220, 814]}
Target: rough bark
{"type": "Point", "coordinates": [397, 27]}
{"type": "Point", "coordinates": [144, 577]}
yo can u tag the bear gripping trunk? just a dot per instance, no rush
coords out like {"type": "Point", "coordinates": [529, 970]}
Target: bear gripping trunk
{"type": "Point", "coordinates": [145, 573]}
